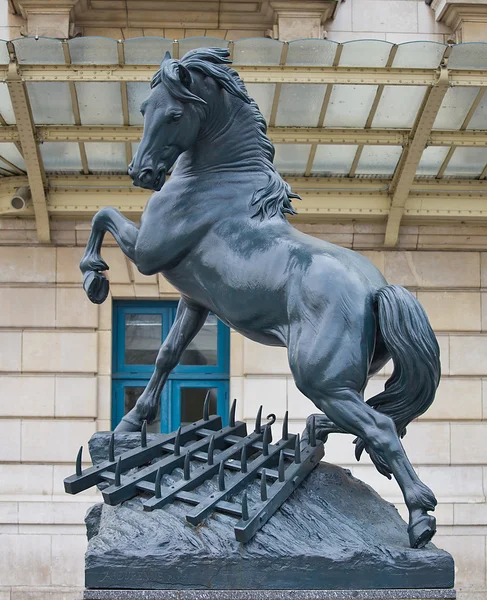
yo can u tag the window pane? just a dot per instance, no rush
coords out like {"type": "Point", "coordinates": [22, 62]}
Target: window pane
{"type": "Point", "coordinates": [192, 400]}
{"type": "Point", "coordinates": [130, 397]}
{"type": "Point", "coordinates": [203, 349]}
{"type": "Point", "coordinates": [143, 335]}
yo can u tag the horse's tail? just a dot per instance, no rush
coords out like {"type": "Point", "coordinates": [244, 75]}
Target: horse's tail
{"type": "Point", "coordinates": [410, 341]}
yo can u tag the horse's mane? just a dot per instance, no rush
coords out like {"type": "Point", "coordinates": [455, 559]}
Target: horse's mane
{"type": "Point", "coordinates": [275, 197]}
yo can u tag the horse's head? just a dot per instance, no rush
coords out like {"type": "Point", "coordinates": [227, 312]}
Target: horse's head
{"type": "Point", "coordinates": [172, 120]}
{"type": "Point", "coordinates": [175, 110]}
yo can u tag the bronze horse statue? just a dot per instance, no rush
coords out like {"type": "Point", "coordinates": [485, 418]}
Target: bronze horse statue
{"type": "Point", "coordinates": [217, 230]}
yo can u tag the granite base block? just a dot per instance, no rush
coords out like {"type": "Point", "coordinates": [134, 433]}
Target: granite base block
{"type": "Point", "coordinates": [449, 594]}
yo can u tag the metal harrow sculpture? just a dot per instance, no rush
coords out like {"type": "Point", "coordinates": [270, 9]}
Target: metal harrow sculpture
{"type": "Point", "coordinates": [203, 450]}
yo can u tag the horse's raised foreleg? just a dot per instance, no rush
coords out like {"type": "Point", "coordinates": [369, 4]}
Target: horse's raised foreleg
{"type": "Point", "coordinates": [125, 233]}
{"type": "Point", "coordinates": [189, 320]}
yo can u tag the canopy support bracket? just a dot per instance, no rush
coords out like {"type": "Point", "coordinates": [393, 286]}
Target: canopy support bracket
{"type": "Point", "coordinates": [27, 137]}
{"type": "Point", "coordinates": [406, 170]}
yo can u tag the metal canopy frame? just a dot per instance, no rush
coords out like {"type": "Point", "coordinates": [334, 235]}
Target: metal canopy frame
{"type": "Point", "coordinates": [400, 194]}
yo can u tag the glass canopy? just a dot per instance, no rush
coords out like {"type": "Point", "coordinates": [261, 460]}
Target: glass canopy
{"type": "Point", "coordinates": [347, 110]}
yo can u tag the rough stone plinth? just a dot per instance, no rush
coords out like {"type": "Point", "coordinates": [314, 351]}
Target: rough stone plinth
{"type": "Point", "coordinates": [333, 533]}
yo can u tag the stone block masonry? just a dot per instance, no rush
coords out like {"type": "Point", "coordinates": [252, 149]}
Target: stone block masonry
{"type": "Point", "coordinates": [51, 404]}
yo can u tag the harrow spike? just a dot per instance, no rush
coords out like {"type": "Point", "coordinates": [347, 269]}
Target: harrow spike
{"type": "Point", "coordinates": [233, 410]}
{"type": "Point", "coordinates": [143, 434]}
{"type": "Point", "coordinates": [285, 426]}
{"type": "Point", "coordinates": [206, 407]}
{"type": "Point", "coordinates": [297, 450]}
{"type": "Point", "coordinates": [118, 471]}
{"type": "Point", "coordinates": [280, 468]}
{"type": "Point", "coordinates": [177, 443]}
{"type": "Point", "coordinates": [258, 420]}
{"type": "Point", "coordinates": [186, 471]}
{"type": "Point", "coordinates": [211, 450]}
{"type": "Point", "coordinates": [111, 448]}
{"type": "Point", "coordinates": [243, 460]}
{"type": "Point", "coordinates": [79, 470]}
{"type": "Point", "coordinates": [245, 507]}
{"type": "Point", "coordinates": [265, 441]}
{"type": "Point", "coordinates": [263, 486]}
{"type": "Point", "coordinates": [312, 432]}
{"type": "Point", "coordinates": [221, 476]}
{"type": "Point", "coordinates": [157, 483]}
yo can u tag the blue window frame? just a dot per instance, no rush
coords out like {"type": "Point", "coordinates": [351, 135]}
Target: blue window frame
{"type": "Point", "coordinates": [139, 329]}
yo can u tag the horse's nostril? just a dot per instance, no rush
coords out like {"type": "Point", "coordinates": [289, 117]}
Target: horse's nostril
{"type": "Point", "coordinates": [145, 175]}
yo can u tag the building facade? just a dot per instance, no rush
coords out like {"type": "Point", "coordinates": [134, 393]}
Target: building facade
{"type": "Point", "coordinates": [69, 368]}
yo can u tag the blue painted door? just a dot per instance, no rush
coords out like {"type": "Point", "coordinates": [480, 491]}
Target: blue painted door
{"type": "Point", "coordinates": [139, 328]}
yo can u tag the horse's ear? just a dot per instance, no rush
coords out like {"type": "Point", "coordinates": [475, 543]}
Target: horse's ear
{"type": "Point", "coordinates": [167, 56]}
{"type": "Point", "coordinates": [184, 76]}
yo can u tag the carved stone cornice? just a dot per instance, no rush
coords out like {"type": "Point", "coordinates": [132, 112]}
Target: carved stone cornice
{"type": "Point", "coordinates": [55, 17]}
{"type": "Point", "coordinates": [326, 9]}
{"type": "Point", "coordinates": [50, 18]}
{"type": "Point", "coordinates": [301, 19]}
{"type": "Point", "coordinates": [464, 17]}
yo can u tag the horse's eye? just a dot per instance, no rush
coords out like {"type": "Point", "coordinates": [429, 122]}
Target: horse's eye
{"type": "Point", "coordinates": [174, 117]}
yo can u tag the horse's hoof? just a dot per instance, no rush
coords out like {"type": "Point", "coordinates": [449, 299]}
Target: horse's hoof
{"type": "Point", "coordinates": [421, 531]}
{"type": "Point", "coordinates": [96, 286]}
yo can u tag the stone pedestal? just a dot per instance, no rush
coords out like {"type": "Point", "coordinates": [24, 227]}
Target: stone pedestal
{"type": "Point", "coordinates": [333, 533]}
{"type": "Point", "coordinates": [270, 595]}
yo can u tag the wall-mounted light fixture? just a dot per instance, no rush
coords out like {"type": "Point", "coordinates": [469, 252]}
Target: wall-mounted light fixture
{"type": "Point", "coordinates": [21, 199]}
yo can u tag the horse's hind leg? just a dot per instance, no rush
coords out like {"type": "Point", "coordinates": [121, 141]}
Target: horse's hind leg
{"type": "Point", "coordinates": [125, 233]}
{"type": "Point", "coordinates": [332, 374]}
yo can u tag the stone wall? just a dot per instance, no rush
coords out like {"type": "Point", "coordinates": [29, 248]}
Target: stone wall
{"type": "Point", "coordinates": [55, 365]}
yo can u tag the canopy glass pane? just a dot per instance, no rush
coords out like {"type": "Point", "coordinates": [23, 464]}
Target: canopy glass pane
{"type": "Point", "coordinates": [333, 160]}
{"type": "Point", "coordinates": [467, 162]}
{"type": "Point", "coordinates": [431, 160]}
{"type": "Point", "coordinates": [365, 53]}
{"type": "Point", "coordinates": [291, 158]}
{"type": "Point", "coordinates": [479, 118]}
{"type": "Point", "coordinates": [106, 157]}
{"type": "Point", "coordinates": [349, 105]}
{"type": "Point", "coordinates": [257, 51]}
{"type": "Point", "coordinates": [263, 94]}
{"type": "Point", "coordinates": [93, 51]}
{"type": "Point", "coordinates": [6, 109]}
{"type": "Point", "coordinates": [314, 52]}
{"type": "Point", "coordinates": [146, 50]}
{"type": "Point", "coordinates": [455, 106]}
{"type": "Point", "coordinates": [137, 92]}
{"type": "Point", "coordinates": [32, 51]}
{"type": "Point", "coordinates": [468, 56]}
{"type": "Point", "coordinates": [51, 103]}
{"type": "Point", "coordinates": [378, 160]}
{"type": "Point", "coordinates": [99, 103]}
{"type": "Point", "coordinates": [61, 156]}
{"type": "Point", "coordinates": [192, 43]}
{"type": "Point", "coordinates": [300, 105]}
{"type": "Point", "coordinates": [419, 55]}
{"type": "Point", "coordinates": [399, 106]}
{"type": "Point", "coordinates": [9, 152]}
{"type": "Point", "coordinates": [4, 57]}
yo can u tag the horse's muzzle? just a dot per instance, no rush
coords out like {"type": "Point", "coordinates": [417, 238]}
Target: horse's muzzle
{"type": "Point", "coordinates": [147, 178]}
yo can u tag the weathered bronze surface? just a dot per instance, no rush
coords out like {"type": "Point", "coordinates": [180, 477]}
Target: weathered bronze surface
{"type": "Point", "coordinates": [217, 230]}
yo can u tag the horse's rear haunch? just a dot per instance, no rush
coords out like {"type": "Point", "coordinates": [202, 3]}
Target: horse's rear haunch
{"type": "Point", "coordinates": [404, 333]}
